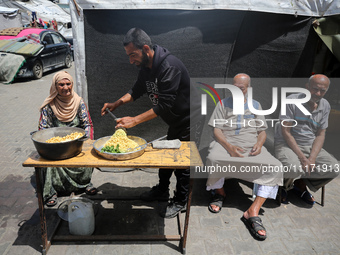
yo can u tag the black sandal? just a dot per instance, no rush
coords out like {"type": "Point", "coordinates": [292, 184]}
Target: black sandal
{"type": "Point", "coordinates": [304, 195]}
{"type": "Point", "coordinates": [284, 196]}
{"type": "Point", "coordinates": [254, 224]}
{"type": "Point", "coordinates": [90, 190]}
{"type": "Point", "coordinates": [52, 201]}
{"type": "Point", "coordinates": [217, 200]}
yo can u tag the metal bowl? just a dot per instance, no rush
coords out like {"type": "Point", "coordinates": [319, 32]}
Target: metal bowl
{"type": "Point", "coordinates": [56, 151]}
{"type": "Point", "coordinates": [99, 144]}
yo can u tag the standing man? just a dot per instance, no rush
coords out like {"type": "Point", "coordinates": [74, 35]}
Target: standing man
{"type": "Point", "coordinates": [298, 145]}
{"type": "Point", "coordinates": [166, 81]}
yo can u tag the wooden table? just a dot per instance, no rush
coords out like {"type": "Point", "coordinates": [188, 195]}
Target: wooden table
{"type": "Point", "coordinates": [184, 157]}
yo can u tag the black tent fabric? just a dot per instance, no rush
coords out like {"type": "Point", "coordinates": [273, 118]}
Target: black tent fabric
{"type": "Point", "coordinates": [274, 45]}
{"type": "Point", "coordinates": [211, 43]}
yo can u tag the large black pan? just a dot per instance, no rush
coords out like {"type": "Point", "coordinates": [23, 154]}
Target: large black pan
{"type": "Point", "coordinates": [57, 151]}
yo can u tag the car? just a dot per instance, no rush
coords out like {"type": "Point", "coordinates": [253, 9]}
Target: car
{"type": "Point", "coordinates": [56, 52]}
{"type": "Point", "coordinates": [70, 40]}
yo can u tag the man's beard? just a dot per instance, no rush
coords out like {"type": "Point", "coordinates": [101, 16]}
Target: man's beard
{"type": "Point", "coordinates": [145, 60]}
{"type": "Point", "coordinates": [315, 100]}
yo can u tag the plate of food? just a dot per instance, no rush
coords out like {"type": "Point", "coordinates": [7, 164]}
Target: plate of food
{"type": "Point", "coordinates": [120, 146]}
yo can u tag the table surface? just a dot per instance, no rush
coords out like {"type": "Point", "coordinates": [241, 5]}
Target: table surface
{"type": "Point", "coordinates": [187, 155]}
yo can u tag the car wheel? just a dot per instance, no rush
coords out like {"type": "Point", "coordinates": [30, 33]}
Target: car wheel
{"type": "Point", "coordinates": [37, 70]}
{"type": "Point", "coordinates": [68, 61]}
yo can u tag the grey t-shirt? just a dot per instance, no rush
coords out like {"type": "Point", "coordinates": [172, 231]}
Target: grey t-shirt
{"type": "Point", "coordinates": [307, 125]}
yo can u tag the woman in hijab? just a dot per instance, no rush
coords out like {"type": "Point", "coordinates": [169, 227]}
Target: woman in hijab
{"type": "Point", "coordinates": [64, 107]}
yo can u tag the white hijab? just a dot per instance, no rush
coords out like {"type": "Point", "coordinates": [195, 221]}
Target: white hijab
{"type": "Point", "coordinates": [65, 108]}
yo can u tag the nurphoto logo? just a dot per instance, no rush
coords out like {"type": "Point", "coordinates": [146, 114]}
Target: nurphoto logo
{"type": "Point", "coordinates": [238, 102]}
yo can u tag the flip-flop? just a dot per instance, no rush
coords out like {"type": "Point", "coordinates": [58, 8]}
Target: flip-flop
{"type": "Point", "coordinates": [304, 195]}
{"type": "Point", "coordinates": [284, 196]}
{"type": "Point", "coordinates": [52, 201]}
{"type": "Point", "coordinates": [217, 200]}
{"type": "Point", "coordinates": [90, 190]}
{"type": "Point", "coordinates": [254, 224]}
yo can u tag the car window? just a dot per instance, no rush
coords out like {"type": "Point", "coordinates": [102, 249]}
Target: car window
{"type": "Point", "coordinates": [48, 39]}
{"type": "Point", "coordinates": [57, 38]}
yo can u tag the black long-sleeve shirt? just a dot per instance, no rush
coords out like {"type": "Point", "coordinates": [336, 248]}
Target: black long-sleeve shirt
{"type": "Point", "coordinates": [168, 87]}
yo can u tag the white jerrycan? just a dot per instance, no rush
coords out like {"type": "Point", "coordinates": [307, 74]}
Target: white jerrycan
{"type": "Point", "coordinates": [81, 219]}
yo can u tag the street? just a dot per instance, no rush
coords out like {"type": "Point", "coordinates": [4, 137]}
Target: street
{"type": "Point", "coordinates": [292, 228]}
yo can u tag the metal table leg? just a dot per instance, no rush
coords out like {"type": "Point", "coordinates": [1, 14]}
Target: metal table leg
{"type": "Point", "coordinates": [39, 181]}
{"type": "Point", "coordinates": [183, 241]}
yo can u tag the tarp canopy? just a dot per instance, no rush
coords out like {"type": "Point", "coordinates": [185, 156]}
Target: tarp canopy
{"type": "Point", "coordinates": [9, 66]}
{"type": "Point", "coordinates": [45, 10]}
{"type": "Point", "coordinates": [9, 17]}
{"type": "Point", "coordinates": [296, 7]}
{"type": "Point", "coordinates": [214, 44]}
{"type": "Point", "coordinates": [328, 28]}
{"type": "Point", "coordinates": [6, 10]}
{"type": "Point", "coordinates": [291, 8]}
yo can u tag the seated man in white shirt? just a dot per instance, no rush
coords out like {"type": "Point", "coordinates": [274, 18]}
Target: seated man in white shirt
{"type": "Point", "coordinates": [241, 146]}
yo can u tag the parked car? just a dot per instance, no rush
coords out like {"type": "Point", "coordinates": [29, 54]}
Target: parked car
{"type": "Point", "coordinates": [55, 53]}
{"type": "Point", "coordinates": [70, 40]}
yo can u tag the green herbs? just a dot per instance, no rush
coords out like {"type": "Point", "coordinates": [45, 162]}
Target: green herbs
{"type": "Point", "coordinates": [111, 149]}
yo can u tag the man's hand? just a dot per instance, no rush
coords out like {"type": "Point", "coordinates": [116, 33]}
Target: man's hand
{"type": "Point", "coordinates": [110, 106]}
{"type": "Point", "coordinates": [235, 151]}
{"type": "Point", "coordinates": [255, 150]}
{"type": "Point", "coordinates": [307, 164]}
{"type": "Point", "coordinates": [126, 122]}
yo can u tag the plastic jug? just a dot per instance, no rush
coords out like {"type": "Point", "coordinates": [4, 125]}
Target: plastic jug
{"type": "Point", "coordinates": [81, 219]}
